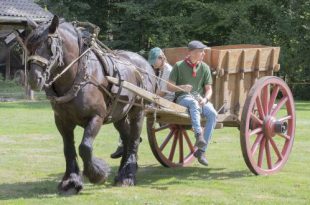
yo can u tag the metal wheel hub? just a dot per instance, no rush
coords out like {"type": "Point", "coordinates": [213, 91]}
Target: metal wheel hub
{"type": "Point", "coordinates": [269, 126]}
{"type": "Point", "coordinates": [272, 126]}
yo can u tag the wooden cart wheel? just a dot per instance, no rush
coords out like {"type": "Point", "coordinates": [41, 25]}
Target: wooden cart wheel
{"type": "Point", "coordinates": [267, 126]}
{"type": "Point", "coordinates": [172, 145]}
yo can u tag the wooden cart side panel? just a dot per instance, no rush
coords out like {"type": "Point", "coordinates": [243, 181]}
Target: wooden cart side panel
{"type": "Point", "coordinates": [238, 46]}
{"type": "Point", "coordinates": [232, 102]}
{"type": "Point", "coordinates": [235, 69]}
{"type": "Point", "coordinates": [268, 59]}
{"type": "Point", "coordinates": [216, 57]}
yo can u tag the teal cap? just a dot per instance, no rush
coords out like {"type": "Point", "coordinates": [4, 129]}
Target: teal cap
{"type": "Point", "coordinates": [154, 54]}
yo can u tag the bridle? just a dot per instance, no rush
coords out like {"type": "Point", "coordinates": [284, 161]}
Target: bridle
{"type": "Point", "coordinates": [48, 65]}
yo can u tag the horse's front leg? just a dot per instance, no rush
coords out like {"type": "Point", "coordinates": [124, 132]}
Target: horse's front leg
{"type": "Point", "coordinates": [71, 182]}
{"type": "Point", "coordinates": [128, 168]}
{"type": "Point", "coordinates": [95, 169]}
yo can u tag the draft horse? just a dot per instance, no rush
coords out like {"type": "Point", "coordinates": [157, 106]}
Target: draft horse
{"type": "Point", "coordinates": [82, 96]}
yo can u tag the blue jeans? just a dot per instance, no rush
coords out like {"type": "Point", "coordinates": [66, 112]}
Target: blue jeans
{"type": "Point", "coordinates": [207, 110]}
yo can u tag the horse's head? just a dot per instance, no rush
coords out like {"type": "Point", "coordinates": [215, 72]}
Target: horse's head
{"type": "Point", "coordinates": [45, 53]}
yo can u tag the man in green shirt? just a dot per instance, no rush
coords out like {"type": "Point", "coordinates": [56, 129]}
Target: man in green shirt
{"type": "Point", "coordinates": [191, 81]}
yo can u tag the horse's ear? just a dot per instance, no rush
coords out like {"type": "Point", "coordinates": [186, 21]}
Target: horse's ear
{"type": "Point", "coordinates": [31, 23]}
{"type": "Point", "coordinates": [54, 24]}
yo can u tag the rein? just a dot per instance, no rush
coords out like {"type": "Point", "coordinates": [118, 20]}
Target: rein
{"type": "Point", "coordinates": [67, 68]}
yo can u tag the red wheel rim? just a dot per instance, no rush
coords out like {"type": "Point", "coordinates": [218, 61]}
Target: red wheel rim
{"type": "Point", "coordinates": [267, 126]}
{"type": "Point", "coordinates": [172, 145]}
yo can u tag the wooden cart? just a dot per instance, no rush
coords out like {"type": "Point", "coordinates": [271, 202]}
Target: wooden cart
{"type": "Point", "coordinates": [246, 96]}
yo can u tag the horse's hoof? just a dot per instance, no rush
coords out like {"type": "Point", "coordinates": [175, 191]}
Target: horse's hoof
{"type": "Point", "coordinates": [72, 185]}
{"type": "Point", "coordinates": [124, 182]}
{"type": "Point", "coordinates": [97, 171]}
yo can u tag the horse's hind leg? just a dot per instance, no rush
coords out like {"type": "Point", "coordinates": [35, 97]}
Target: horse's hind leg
{"type": "Point", "coordinates": [95, 169]}
{"type": "Point", "coordinates": [128, 167]}
{"type": "Point", "coordinates": [71, 182]}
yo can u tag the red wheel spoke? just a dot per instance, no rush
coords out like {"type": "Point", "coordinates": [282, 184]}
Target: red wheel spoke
{"type": "Point", "coordinates": [181, 156]}
{"type": "Point", "coordinates": [279, 105]}
{"type": "Point", "coordinates": [285, 136]}
{"type": "Point", "coordinates": [174, 144]}
{"type": "Point", "coordinates": [161, 128]}
{"type": "Point", "coordinates": [256, 143]}
{"type": "Point", "coordinates": [268, 155]}
{"type": "Point", "coordinates": [261, 152]}
{"type": "Point", "coordinates": [285, 118]}
{"type": "Point", "coordinates": [256, 131]}
{"type": "Point", "coordinates": [256, 119]}
{"type": "Point", "coordinates": [190, 145]}
{"type": "Point", "coordinates": [265, 99]}
{"type": "Point", "coordinates": [276, 150]}
{"type": "Point", "coordinates": [269, 104]}
{"type": "Point", "coordinates": [273, 96]}
{"type": "Point", "coordinates": [163, 145]}
{"type": "Point", "coordinates": [168, 145]}
{"type": "Point", "coordinates": [260, 108]}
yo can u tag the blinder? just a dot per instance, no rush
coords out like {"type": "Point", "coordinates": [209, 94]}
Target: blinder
{"type": "Point", "coordinates": [56, 60]}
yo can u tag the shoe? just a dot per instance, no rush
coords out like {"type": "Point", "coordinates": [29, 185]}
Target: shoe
{"type": "Point", "coordinates": [200, 141]}
{"type": "Point", "coordinates": [200, 155]}
{"type": "Point", "coordinates": [118, 152]}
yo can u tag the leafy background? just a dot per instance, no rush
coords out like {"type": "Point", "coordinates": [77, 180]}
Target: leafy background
{"type": "Point", "coordinates": [139, 25]}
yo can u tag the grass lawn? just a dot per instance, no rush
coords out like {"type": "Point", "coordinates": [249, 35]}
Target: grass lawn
{"type": "Point", "coordinates": [32, 163]}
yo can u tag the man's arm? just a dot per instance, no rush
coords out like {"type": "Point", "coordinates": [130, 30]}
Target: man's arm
{"type": "Point", "coordinates": [208, 94]}
{"type": "Point", "coordinates": [175, 88]}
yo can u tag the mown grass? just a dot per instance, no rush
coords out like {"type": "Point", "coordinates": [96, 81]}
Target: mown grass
{"type": "Point", "coordinates": [32, 163]}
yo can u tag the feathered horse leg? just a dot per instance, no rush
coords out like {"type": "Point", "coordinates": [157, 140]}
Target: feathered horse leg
{"type": "Point", "coordinates": [95, 169]}
{"type": "Point", "coordinates": [128, 167]}
{"type": "Point", "coordinates": [71, 182]}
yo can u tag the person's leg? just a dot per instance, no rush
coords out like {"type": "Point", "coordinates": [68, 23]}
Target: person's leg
{"type": "Point", "coordinates": [194, 111]}
{"type": "Point", "coordinates": [210, 113]}
{"type": "Point", "coordinates": [193, 107]}
{"type": "Point", "coordinates": [119, 150]}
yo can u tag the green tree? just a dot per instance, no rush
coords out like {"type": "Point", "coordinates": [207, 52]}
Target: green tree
{"type": "Point", "coordinates": [138, 25]}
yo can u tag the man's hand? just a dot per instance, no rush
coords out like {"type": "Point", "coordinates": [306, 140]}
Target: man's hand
{"type": "Point", "coordinates": [160, 93]}
{"type": "Point", "coordinates": [203, 101]}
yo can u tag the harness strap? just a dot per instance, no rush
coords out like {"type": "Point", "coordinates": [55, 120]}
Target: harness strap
{"type": "Point", "coordinates": [83, 78]}
{"type": "Point", "coordinates": [39, 60]}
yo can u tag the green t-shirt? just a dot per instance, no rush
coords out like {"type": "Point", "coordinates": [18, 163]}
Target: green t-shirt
{"type": "Point", "coordinates": [181, 74]}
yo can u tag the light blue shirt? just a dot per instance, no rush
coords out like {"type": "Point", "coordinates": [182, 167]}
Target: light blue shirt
{"type": "Point", "coordinates": [162, 84]}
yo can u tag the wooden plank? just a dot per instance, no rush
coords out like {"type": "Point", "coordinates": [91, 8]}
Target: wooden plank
{"type": "Point", "coordinates": [149, 96]}
{"type": "Point", "coordinates": [170, 117]}
{"type": "Point", "coordinates": [269, 57]}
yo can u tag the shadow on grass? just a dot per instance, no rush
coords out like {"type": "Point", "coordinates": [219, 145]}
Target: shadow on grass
{"type": "Point", "coordinates": [153, 173]}
{"type": "Point", "coordinates": [148, 176]}
{"type": "Point", "coordinates": [36, 189]}
{"type": "Point", "coordinates": [45, 188]}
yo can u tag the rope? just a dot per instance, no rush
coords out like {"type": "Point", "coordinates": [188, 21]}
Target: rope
{"type": "Point", "coordinates": [68, 67]}
{"type": "Point", "coordinates": [143, 71]}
